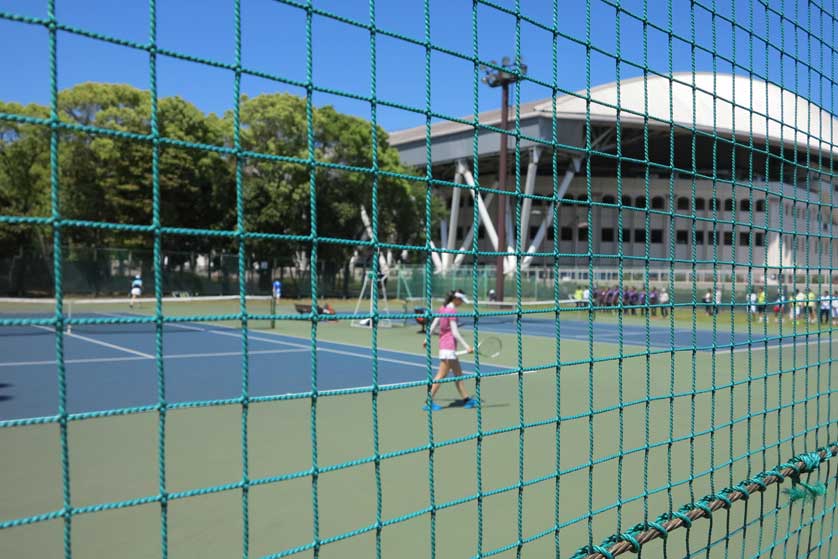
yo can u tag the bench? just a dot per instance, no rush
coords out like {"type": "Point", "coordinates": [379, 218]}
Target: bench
{"type": "Point", "coordinates": [306, 309]}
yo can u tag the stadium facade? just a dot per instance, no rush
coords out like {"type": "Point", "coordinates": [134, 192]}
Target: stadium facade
{"type": "Point", "coordinates": [698, 167]}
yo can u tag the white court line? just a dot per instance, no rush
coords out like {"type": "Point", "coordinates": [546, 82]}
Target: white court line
{"type": "Point", "coordinates": [101, 343]}
{"type": "Point", "coordinates": [307, 347]}
{"type": "Point", "coordinates": [138, 358]}
{"type": "Point", "coordinates": [325, 349]}
{"type": "Point", "coordinates": [236, 333]}
{"type": "Point", "coordinates": [788, 343]}
{"type": "Point", "coordinates": [73, 361]}
{"type": "Point", "coordinates": [173, 324]}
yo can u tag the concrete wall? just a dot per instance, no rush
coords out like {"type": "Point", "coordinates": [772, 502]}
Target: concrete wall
{"type": "Point", "coordinates": [672, 235]}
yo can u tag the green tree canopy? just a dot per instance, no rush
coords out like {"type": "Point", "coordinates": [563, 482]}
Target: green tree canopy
{"type": "Point", "coordinates": [277, 191]}
{"type": "Point", "coordinates": [106, 177]}
{"type": "Point", "coordinates": [24, 175]}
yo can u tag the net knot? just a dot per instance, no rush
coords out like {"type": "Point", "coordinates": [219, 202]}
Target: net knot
{"type": "Point", "coordinates": [810, 461]}
{"type": "Point", "coordinates": [703, 507]}
{"type": "Point", "coordinates": [792, 466]}
{"type": "Point", "coordinates": [741, 488]}
{"type": "Point", "coordinates": [591, 549]}
{"type": "Point", "coordinates": [686, 520]}
{"type": "Point", "coordinates": [657, 527]}
{"type": "Point", "coordinates": [721, 496]}
{"type": "Point", "coordinates": [629, 537]}
{"type": "Point", "coordinates": [757, 480]}
{"type": "Point", "coordinates": [781, 477]}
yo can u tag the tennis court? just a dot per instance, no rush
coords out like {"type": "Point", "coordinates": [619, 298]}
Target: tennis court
{"type": "Point", "coordinates": [113, 389]}
{"type": "Point", "coordinates": [113, 366]}
{"type": "Point", "coordinates": [657, 335]}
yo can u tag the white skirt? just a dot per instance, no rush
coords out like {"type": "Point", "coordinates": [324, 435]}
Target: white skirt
{"type": "Point", "coordinates": [447, 354]}
{"type": "Point", "coordinates": [135, 291]}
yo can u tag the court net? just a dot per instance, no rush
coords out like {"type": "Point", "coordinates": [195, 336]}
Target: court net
{"type": "Point", "coordinates": [510, 312]}
{"type": "Point", "coordinates": [38, 315]}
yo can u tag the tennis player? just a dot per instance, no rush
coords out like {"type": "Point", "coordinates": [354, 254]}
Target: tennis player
{"type": "Point", "coordinates": [136, 289]}
{"type": "Point", "coordinates": [449, 336]}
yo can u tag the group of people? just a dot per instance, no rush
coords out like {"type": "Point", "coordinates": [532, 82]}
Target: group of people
{"type": "Point", "coordinates": [807, 306]}
{"type": "Point", "coordinates": [633, 300]}
{"type": "Point", "coordinates": [803, 305]}
{"type": "Point", "coordinates": [713, 300]}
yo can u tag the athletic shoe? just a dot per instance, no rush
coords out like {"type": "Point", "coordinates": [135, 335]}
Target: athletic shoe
{"type": "Point", "coordinates": [434, 406]}
{"type": "Point", "coordinates": [469, 403]}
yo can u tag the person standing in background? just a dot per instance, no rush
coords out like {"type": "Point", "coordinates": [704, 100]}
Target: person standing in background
{"type": "Point", "coordinates": [136, 290]}
{"type": "Point", "coordinates": [826, 308]}
{"type": "Point", "coordinates": [708, 300]}
{"type": "Point", "coordinates": [664, 299]}
{"type": "Point", "coordinates": [277, 290]}
{"type": "Point", "coordinates": [761, 304]}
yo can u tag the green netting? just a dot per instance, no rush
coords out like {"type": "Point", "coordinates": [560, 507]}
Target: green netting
{"type": "Point", "coordinates": [582, 445]}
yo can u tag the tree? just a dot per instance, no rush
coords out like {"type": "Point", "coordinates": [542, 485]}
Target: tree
{"type": "Point", "coordinates": [25, 192]}
{"type": "Point", "coordinates": [24, 168]}
{"type": "Point", "coordinates": [278, 192]}
{"type": "Point", "coordinates": [106, 176]}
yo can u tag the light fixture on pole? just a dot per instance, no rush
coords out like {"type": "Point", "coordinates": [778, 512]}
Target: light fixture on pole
{"type": "Point", "coordinates": [501, 76]}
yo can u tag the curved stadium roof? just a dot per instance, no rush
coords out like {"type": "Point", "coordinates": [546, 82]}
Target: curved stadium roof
{"type": "Point", "coordinates": [725, 103]}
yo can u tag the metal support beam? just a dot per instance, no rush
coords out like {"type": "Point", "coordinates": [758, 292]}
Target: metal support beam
{"type": "Point", "coordinates": [458, 260]}
{"type": "Point", "coordinates": [485, 219]}
{"type": "Point", "coordinates": [443, 237]}
{"type": "Point", "coordinates": [529, 188]}
{"type": "Point", "coordinates": [548, 219]}
{"type": "Point", "coordinates": [435, 258]}
{"type": "Point", "coordinates": [509, 261]}
{"type": "Point", "coordinates": [453, 222]}
{"type": "Point", "coordinates": [382, 261]}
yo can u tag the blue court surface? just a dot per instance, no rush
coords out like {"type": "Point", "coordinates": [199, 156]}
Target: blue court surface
{"type": "Point", "coordinates": [660, 336]}
{"type": "Point", "coordinates": [113, 366]}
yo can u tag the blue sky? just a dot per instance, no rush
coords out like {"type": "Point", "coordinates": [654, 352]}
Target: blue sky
{"type": "Point", "coordinates": [274, 42]}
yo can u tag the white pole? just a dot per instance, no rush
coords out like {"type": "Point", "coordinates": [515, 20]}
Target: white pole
{"type": "Point", "coordinates": [458, 260]}
{"type": "Point", "coordinates": [529, 188]}
{"type": "Point", "coordinates": [484, 213]}
{"type": "Point", "coordinates": [453, 222]}
{"type": "Point", "coordinates": [443, 235]}
{"type": "Point", "coordinates": [382, 262]}
{"type": "Point", "coordinates": [435, 258]}
{"type": "Point", "coordinates": [509, 261]}
{"type": "Point", "coordinates": [548, 218]}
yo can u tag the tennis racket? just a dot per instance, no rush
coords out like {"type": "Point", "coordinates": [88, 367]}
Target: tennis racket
{"type": "Point", "coordinates": [490, 347]}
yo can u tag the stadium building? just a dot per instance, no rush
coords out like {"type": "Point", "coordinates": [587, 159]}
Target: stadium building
{"type": "Point", "coordinates": [739, 171]}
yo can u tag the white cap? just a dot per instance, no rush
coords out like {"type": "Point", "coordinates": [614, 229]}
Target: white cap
{"type": "Point", "coordinates": [462, 297]}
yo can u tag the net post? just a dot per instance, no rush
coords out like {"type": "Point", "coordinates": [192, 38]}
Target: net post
{"type": "Point", "coordinates": [273, 312]}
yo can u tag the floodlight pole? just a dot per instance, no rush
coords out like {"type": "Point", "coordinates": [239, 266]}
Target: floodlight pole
{"type": "Point", "coordinates": [508, 74]}
{"type": "Point", "coordinates": [500, 263]}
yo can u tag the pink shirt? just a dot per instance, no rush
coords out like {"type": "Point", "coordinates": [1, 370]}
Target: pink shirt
{"type": "Point", "coordinates": [446, 337]}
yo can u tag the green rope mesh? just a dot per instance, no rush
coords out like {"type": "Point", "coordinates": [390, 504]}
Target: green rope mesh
{"type": "Point", "coordinates": [772, 403]}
